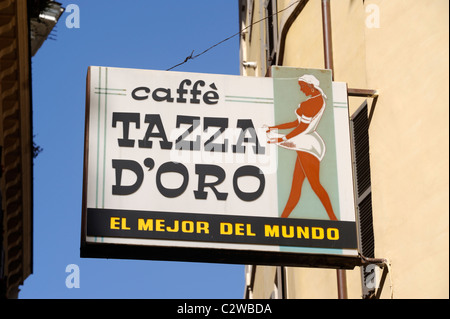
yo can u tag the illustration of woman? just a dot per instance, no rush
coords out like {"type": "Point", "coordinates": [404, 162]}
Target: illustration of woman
{"type": "Point", "coordinates": [308, 144]}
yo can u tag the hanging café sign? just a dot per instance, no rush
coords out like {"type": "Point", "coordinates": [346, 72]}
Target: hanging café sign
{"type": "Point", "coordinates": [218, 168]}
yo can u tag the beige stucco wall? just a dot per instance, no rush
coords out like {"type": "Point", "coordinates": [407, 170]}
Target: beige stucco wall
{"type": "Point", "coordinates": [264, 283]}
{"type": "Point", "coordinates": [406, 59]}
{"type": "Point", "coordinates": [251, 39]}
{"type": "Point", "coordinates": [305, 36]}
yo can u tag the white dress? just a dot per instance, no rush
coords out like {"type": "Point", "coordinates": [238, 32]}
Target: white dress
{"type": "Point", "coordinates": [309, 140]}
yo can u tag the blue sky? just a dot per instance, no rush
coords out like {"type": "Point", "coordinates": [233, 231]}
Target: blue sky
{"type": "Point", "coordinates": [144, 34]}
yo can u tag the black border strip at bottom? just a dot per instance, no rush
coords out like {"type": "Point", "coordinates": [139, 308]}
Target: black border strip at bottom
{"type": "Point", "coordinates": [224, 256]}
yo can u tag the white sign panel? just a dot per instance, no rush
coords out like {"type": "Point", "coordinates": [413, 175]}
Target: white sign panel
{"type": "Point", "coordinates": [193, 161]}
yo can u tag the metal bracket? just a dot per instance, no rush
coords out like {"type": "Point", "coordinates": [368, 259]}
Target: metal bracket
{"type": "Point", "coordinates": [384, 264]}
{"type": "Point", "coordinates": [373, 94]}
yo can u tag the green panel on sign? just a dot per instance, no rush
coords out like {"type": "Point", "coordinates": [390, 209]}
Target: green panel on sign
{"type": "Point", "coordinates": [287, 97]}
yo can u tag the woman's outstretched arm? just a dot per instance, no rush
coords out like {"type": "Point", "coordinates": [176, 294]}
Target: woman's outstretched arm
{"type": "Point", "coordinates": [299, 129]}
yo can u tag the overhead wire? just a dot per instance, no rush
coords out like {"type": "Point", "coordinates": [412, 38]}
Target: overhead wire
{"type": "Point", "coordinates": [192, 56]}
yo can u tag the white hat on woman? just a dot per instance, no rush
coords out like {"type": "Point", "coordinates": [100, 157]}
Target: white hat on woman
{"type": "Point", "coordinates": [311, 79]}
